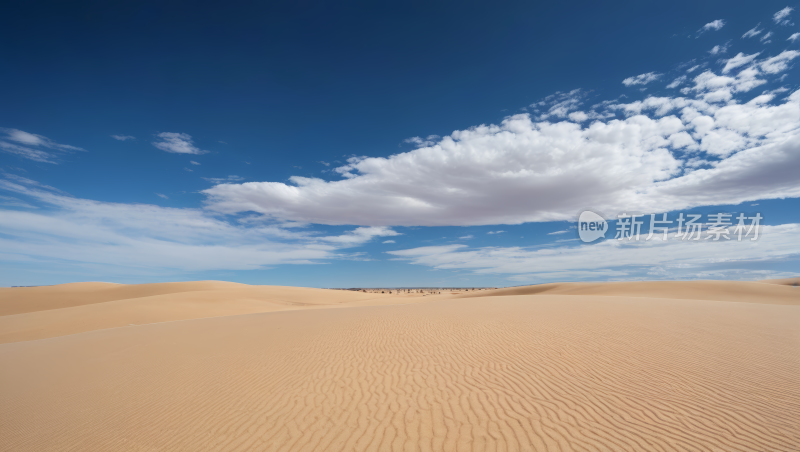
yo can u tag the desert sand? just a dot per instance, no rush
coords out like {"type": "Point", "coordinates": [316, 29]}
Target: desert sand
{"type": "Point", "coordinates": [216, 366]}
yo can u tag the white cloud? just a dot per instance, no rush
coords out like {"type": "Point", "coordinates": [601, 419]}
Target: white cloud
{"type": "Point", "coordinates": [324, 163]}
{"type": "Point", "coordinates": [780, 17]}
{"type": "Point", "coordinates": [360, 235]}
{"type": "Point", "coordinates": [495, 232]}
{"type": "Point", "coordinates": [677, 82]}
{"type": "Point", "coordinates": [739, 60]}
{"type": "Point", "coordinates": [752, 32]}
{"type": "Point", "coordinates": [718, 49]}
{"type": "Point", "coordinates": [74, 231]}
{"type": "Point", "coordinates": [388, 241]}
{"type": "Point", "coordinates": [178, 143]}
{"type": "Point", "coordinates": [467, 237]}
{"type": "Point", "coordinates": [193, 162]}
{"type": "Point", "coordinates": [614, 258]}
{"type": "Point", "coordinates": [223, 180]}
{"type": "Point", "coordinates": [123, 137]}
{"type": "Point", "coordinates": [560, 104]}
{"type": "Point", "coordinates": [668, 153]}
{"type": "Point", "coordinates": [780, 62]}
{"type": "Point", "coordinates": [692, 69]}
{"type": "Point", "coordinates": [558, 232]}
{"type": "Point", "coordinates": [578, 116]}
{"type": "Point", "coordinates": [418, 141]}
{"type": "Point", "coordinates": [641, 79]}
{"type": "Point", "coordinates": [715, 25]}
{"type": "Point", "coordinates": [162, 196]}
{"type": "Point", "coordinates": [793, 37]}
{"type": "Point", "coordinates": [29, 146]}
{"type": "Point", "coordinates": [765, 39]}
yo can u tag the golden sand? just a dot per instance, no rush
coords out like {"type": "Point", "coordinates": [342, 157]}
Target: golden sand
{"type": "Point", "coordinates": [704, 365]}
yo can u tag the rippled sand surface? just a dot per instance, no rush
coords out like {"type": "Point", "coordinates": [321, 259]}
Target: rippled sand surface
{"type": "Point", "coordinates": [709, 366]}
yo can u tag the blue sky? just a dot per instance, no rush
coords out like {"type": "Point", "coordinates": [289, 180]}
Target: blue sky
{"type": "Point", "coordinates": [407, 144]}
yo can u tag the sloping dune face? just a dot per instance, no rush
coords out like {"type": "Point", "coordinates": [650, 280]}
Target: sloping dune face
{"type": "Point", "coordinates": [542, 371]}
{"type": "Point", "coordinates": [740, 291]}
{"type": "Point", "coordinates": [28, 313]}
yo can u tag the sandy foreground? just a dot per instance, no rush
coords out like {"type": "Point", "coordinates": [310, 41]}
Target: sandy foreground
{"type": "Point", "coordinates": [701, 365]}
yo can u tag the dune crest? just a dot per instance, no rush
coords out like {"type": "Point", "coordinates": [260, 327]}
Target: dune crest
{"type": "Point", "coordinates": [738, 291]}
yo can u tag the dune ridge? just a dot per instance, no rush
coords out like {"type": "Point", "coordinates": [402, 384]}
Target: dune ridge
{"type": "Point", "coordinates": [738, 291]}
{"type": "Point", "coordinates": [548, 371]}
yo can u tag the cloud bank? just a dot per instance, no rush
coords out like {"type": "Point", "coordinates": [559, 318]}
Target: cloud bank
{"type": "Point", "coordinates": [659, 154]}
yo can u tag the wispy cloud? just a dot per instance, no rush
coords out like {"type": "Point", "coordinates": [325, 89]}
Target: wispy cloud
{"type": "Point", "coordinates": [388, 241]}
{"type": "Point", "coordinates": [739, 60]}
{"type": "Point", "coordinates": [677, 82]}
{"type": "Point", "coordinates": [641, 79]}
{"type": "Point", "coordinates": [714, 25]}
{"type": "Point", "coordinates": [678, 258]}
{"type": "Point", "coordinates": [123, 137]}
{"type": "Point", "coordinates": [31, 146]}
{"type": "Point", "coordinates": [178, 143]}
{"type": "Point", "coordinates": [781, 17]}
{"type": "Point", "coordinates": [719, 49]}
{"type": "Point", "coordinates": [193, 162]}
{"type": "Point", "coordinates": [466, 237]}
{"type": "Point", "coordinates": [793, 37]}
{"type": "Point", "coordinates": [160, 195]}
{"type": "Point", "coordinates": [752, 32]}
{"type": "Point", "coordinates": [222, 180]}
{"type": "Point", "coordinates": [420, 142]}
{"type": "Point", "coordinates": [495, 232]}
{"type": "Point", "coordinates": [74, 231]}
{"type": "Point", "coordinates": [558, 232]}
{"type": "Point", "coordinates": [765, 39]}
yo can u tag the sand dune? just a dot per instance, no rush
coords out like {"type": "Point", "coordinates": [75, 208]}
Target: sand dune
{"type": "Point", "coordinates": [740, 291]}
{"type": "Point", "coordinates": [784, 282]}
{"type": "Point", "coordinates": [42, 312]}
{"type": "Point", "coordinates": [541, 370]}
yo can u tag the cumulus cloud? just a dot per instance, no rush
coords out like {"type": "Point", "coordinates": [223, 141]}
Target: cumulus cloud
{"type": "Point", "coordinates": [123, 137]}
{"type": "Point", "coordinates": [752, 32]}
{"type": "Point", "coordinates": [714, 25]}
{"type": "Point", "coordinates": [77, 232]}
{"type": "Point", "coordinates": [668, 153]}
{"type": "Point", "coordinates": [641, 79]}
{"type": "Point", "coordinates": [178, 143]}
{"type": "Point", "coordinates": [32, 146]}
{"type": "Point", "coordinates": [781, 17]}
{"type": "Point", "coordinates": [672, 258]}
